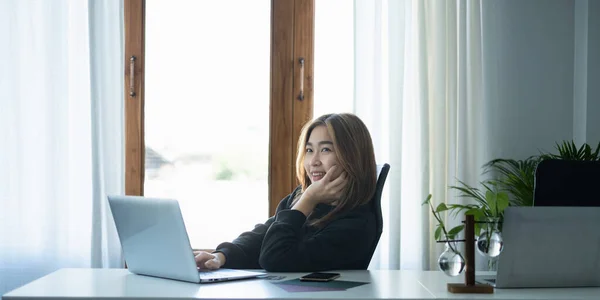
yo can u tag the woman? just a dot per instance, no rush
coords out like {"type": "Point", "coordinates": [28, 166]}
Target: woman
{"type": "Point", "coordinates": [324, 224]}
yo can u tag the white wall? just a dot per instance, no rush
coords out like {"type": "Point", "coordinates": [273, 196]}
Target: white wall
{"type": "Point", "coordinates": [541, 76]}
{"type": "Point", "coordinates": [528, 51]}
{"type": "Point", "coordinates": [581, 71]}
{"type": "Point", "coordinates": [587, 72]}
{"type": "Point", "coordinates": [593, 73]}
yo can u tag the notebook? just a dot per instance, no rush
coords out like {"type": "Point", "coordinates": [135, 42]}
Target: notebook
{"type": "Point", "coordinates": [547, 247]}
{"type": "Point", "coordinates": [155, 242]}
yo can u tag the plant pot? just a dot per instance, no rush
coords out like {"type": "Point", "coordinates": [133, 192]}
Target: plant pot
{"type": "Point", "coordinates": [490, 243]}
{"type": "Point", "coordinates": [451, 262]}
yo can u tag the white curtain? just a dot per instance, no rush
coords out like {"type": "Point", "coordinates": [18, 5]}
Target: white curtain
{"type": "Point", "coordinates": [418, 86]}
{"type": "Point", "coordinates": [61, 140]}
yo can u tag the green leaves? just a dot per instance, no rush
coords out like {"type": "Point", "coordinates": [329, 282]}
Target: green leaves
{"type": "Point", "coordinates": [491, 200]}
{"type": "Point", "coordinates": [568, 150]}
{"type": "Point", "coordinates": [477, 213]}
{"type": "Point", "coordinates": [516, 177]}
{"type": "Point", "coordinates": [502, 202]}
{"type": "Point", "coordinates": [441, 207]}
{"type": "Point", "coordinates": [497, 202]}
{"type": "Point", "coordinates": [441, 228]}
{"type": "Point", "coordinates": [454, 231]}
{"type": "Point", "coordinates": [428, 200]}
{"type": "Point", "coordinates": [490, 204]}
{"type": "Point", "coordinates": [470, 192]}
{"type": "Point", "coordinates": [438, 232]}
{"type": "Point", "coordinates": [512, 183]}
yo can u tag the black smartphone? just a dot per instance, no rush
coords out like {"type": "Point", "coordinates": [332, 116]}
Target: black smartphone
{"type": "Point", "coordinates": [319, 276]}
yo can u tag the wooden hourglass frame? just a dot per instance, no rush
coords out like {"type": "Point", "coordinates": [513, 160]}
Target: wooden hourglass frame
{"type": "Point", "coordinates": [469, 287]}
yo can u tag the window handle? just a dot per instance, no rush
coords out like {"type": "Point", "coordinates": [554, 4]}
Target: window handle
{"type": "Point", "coordinates": [301, 95]}
{"type": "Point", "coordinates": [132, 76]}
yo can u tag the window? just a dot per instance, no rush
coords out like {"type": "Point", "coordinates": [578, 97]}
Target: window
{"type": "Point", "coordinates": [212, 114]}
{"type": "Point", "coordinates": [334, 57]}
{"type": "Point", "coordinates": [207, 112]}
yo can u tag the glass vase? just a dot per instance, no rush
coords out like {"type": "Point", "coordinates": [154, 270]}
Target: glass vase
{"type": "Point", "coordinates": [493, 264]}
{"type": "Point", "coordinates": [451, 262]}
{"type": "Point", "coordinates": [490, 243]}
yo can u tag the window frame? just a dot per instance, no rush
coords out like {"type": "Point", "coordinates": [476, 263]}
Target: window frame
{"type": "Point", "coordinates": [292, 38]}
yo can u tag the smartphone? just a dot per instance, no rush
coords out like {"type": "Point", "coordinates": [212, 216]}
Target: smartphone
{"type": "Point", "coordinates": [318, 276]}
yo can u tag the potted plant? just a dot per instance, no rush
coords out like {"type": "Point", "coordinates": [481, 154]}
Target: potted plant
{"type": "Point", "coordinates": [517, 177]}
{"type": "Point", "coordinates": [487, 211]}
{"type": "Point", "coordinates": [512, 185]}
{"type": "Point", "coordinates": [568, 150]}
{"type": "Point", "coordinates": [451, 261]}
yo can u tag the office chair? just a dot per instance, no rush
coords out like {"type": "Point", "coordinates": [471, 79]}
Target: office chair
{"type": "Point", "coordinates": [566, 183]}
{"type": "Point", "coordinates": [376, 204]}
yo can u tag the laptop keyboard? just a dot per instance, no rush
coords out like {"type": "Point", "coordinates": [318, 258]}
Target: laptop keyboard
{"type": "Point", "coordinates": [216, 273]}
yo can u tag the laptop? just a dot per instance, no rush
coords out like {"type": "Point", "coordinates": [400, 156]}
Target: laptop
{"type": "Point", "coordinates": [155, 242]}
{"type": "Point", "coordinates": [548, 247]}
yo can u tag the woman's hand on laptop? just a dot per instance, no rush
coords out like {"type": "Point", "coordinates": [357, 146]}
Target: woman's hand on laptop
{"type": "Point", "coordinates": [211, 261]}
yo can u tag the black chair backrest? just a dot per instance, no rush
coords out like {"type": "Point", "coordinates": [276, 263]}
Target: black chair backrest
{"type": "Point", "coordinates": [566, 183]}
{"type": "Point", "coordinates": [376, 206]}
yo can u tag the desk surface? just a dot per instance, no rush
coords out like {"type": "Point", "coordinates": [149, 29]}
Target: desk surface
{"type": "Point", "coordinates": [393, 284]}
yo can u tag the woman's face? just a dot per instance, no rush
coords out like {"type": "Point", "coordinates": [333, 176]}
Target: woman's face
{"type": "Point", "coordinates": [320, 154]}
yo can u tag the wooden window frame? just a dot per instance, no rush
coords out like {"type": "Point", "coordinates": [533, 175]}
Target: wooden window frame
{"type": "Point", "coordinates": [134, 14]}
{"type": "Point", "coordinates": [292, 38]}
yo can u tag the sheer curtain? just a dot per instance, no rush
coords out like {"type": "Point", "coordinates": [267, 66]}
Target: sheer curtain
{"type": "Point", "coordinates": [61, 124]}
{"type": "Point", "coordinates": [418, 86]}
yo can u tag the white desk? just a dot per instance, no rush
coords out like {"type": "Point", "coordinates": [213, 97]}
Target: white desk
{"type": "Point", "coordinates": [114, 284]}
{"type": "Point", "coordinates": [435, 282]}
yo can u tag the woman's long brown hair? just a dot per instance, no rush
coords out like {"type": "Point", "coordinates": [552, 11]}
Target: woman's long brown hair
{"type": "Point", "coordinates": [354, 149]}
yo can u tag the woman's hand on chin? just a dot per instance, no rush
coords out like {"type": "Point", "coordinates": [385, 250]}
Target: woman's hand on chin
{"type": "Point", "coordinates": [327, 190]}
{"type": "Point", "coordinates": [330, 188]}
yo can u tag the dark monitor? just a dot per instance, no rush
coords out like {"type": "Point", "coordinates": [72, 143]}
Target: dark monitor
{"type": "Point", "coordinates": [567, 183]}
